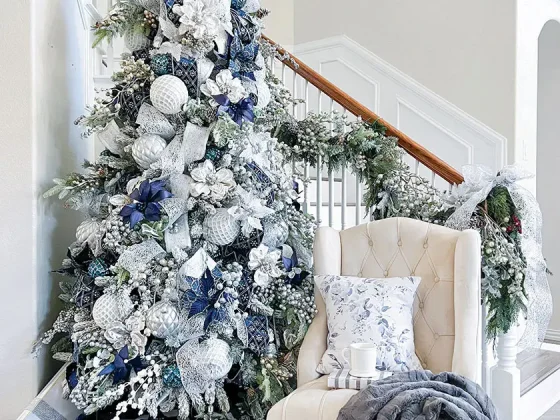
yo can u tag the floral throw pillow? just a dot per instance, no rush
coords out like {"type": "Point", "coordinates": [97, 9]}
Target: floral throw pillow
{"type": "Point", "coordinates": [372, 311]}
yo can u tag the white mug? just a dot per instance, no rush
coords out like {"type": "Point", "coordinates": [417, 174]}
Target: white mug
{"type": "Point", "coordinates": [363, 358]}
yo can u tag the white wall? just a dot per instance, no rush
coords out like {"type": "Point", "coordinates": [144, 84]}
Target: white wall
{"type": "Point", "coordinates": [42, 90]}
{"type": "Point", "coordinates": [463, 51]}
{"type": "Point", "coordinates": [548, 156]}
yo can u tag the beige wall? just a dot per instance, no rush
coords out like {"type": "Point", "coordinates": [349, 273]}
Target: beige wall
{"type": "Point", "coordinates": [280, 22]}
{"type": "Point", "coordinates": [463, 51]}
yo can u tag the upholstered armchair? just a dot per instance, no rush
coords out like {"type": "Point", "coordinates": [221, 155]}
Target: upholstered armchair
{"type": "Point", "coordinates": [447, 323]}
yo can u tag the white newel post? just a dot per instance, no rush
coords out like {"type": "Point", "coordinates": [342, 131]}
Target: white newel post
{"type": "Point", "coordinates": [506, 378]}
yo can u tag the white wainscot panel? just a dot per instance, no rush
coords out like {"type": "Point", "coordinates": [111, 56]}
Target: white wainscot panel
{"type": "Point", "coordinates": [435, 123]}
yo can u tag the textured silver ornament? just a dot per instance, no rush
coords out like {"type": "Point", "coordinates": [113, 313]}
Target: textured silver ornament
{"type": "Point", "coordinates": [134, 40]}
{"type": "Point", "coordinates": [168, 94]}
{"type": "Point", "coordinates": [202, 364]}
{"type": "Point", "coordinates": [151, 121]}
{"type": "Point", "coordinates": [221, 228]}
{"type": "Point", "coordinates": [162, 319]}
{"type": "Point", "coordinates": [275, 233]}
{"type": "Point", "coordinates": [110, 308]}
{"type": "Point", "coordinates": [147, 149]}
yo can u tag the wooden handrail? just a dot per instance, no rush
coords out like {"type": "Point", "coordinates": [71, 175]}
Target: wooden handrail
{"type": "Point", "coordinates": [420, 153]}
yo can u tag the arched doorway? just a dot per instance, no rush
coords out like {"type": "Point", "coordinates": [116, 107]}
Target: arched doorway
{"type": "Point", "coordinates": [548, 156]}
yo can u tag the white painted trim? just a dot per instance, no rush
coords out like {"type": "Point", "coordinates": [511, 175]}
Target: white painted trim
{"type": "Point", "coordinates": [437, 125]}
{"type": "Point", "coordinates": [541, 398]}
{"type": "Point", "coordinates": [486, 133]}
{"type": "Point", "coordinates": [553, 335]}
{"type": "Point", "coordinates": [360, 73]}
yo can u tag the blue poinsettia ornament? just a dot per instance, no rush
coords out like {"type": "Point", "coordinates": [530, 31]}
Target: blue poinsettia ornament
{"type": "Point", "coordinates": [205, 295]}
{"type": "Point", "coordinates": [145, 204]}
{"type": "Point", "coordinates": [121, 366]}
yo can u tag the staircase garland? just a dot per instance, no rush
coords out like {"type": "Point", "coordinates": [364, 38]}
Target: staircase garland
{"type": "Point", "coordinates": [392, 190]}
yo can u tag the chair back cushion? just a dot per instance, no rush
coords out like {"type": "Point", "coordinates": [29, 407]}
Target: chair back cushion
{"type": "Point", "coordinates": [402, 247]}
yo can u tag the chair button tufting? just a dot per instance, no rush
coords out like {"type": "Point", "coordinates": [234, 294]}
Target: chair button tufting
{"type": "Point", "coordinates": [399, 243]}
{"type": "Point", "coordinates": [424, 365]}
{"type": "Point", "coordinates": [436, 336]}
{"type": "Point", "coordinates": [370, 242]}
{"type": "Point", "coordinates": [385, 273]}
{"type": "Point", "coordinates": [412, 273]}
{"type": "Point", "coordinates": [421, 305]}
{"type": "Point", "coordinates": [425, 245]}
{"type": "Point", "coordinates": [436, 279]}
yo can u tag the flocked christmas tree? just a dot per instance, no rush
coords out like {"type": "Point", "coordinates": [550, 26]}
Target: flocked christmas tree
{"type": "Point", "coordinates": [187, 285]}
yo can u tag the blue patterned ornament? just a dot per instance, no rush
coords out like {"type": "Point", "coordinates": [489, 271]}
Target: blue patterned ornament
{"type": "Point", "coordinates": [161, 64]}
{"type": "Point", "coordinates": [98, 268]}
{"type": "Point", "coordinates": [214, 154]}
{"type": "Point", "coordinates": [171, 377]}
{"type": "Point", "coordinates": [257, 331]}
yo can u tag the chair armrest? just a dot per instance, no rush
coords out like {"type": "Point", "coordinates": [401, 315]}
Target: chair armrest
{"type": "Point", "coordinates": [312, 349]}
{"type": "Point", "coordinates": [468, 322]}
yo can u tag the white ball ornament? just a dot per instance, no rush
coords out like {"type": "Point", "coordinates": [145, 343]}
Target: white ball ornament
{"type": "Point", "coordinates": [147, 148]}
{"type": "Point", "coordinates": [168, 94]}
{"type": "Point", "coordinates": [162, 319]}
{"type": "Point", "coordinates": [111, 308]}
{"type": "Point", "coordinates": [134, 40]}
{"type": "Point", "coordinates": [221, 228]}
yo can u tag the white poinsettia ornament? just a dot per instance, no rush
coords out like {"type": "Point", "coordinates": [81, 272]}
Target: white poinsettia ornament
{"type": "Point", "coordinates": [249, 211]}
{"type": "Point", "coordinates": [226, 85]}
{"type": "Point", "coordinates": [265, 264]}
{"type": "Point", "coordinates": [211, 183]}
{"type": "Point", "coordinates": [199, 18]}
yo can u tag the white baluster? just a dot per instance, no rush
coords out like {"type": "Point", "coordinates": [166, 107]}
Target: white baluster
{"type": "Point", "coordinates": [306, 98]}
{"type": "Point", "coordinates": [331, 197]}
{"type": "Point", "coordinates": [284, 74]}
{"type": "Point", "coordinates": [417, 167]}
{"type": "Point", "coordinates": [319, 189]}
{"type": "Point", "coordinates": [110, 58]}
{"type": "Point", "coordinates": [485, 374]}
{"type": "Point", "coordinates": [294, 109]}
{"type": "Point", "coordinates": [272, 63]}
{"type": "Point", "coordinates": [358, 201]}
{"type": "Point", "coordinates": [305, 187]}
{"type": "Point", "coordinates": [343, 200]}
{"type": "Point", "coordinates": [506, 379]}
{"type": "Point", "coordinates": [450, 186]}
{"type": "Point", "coordinates": [433, 182]}
{"type": "Point", "coordinates": [343, 189]}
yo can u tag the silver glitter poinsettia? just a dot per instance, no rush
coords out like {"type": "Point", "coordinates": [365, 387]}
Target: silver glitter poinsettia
{"type": "Point", "coordinates": [211, 183]}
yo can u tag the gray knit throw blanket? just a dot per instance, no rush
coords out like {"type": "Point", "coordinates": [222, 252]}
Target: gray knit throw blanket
{"type": "Point", "coordinates": [420, 395]}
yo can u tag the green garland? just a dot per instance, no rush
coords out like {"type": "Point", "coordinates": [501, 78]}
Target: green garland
{"type": "Point", "coordinates": [392, 190]}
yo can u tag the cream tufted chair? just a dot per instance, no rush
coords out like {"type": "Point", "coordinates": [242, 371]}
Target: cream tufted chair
{"type": "Point", "coordinates": [447, 323]}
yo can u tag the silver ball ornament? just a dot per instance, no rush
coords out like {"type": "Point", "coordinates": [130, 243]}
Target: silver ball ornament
{"type": "Point", "coordinates": [162, 319]}
{"type": "Point", "coordinates": [168, 94]}
{"type": "Point", "coordinates": [275, 232]}
{"type": "Point", "coordinates": [111, 308]}
{"type": "Point", "coordinates": [221, 228]}
{"type": "Point", "coordinates": [147, 149]}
